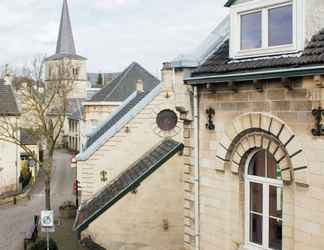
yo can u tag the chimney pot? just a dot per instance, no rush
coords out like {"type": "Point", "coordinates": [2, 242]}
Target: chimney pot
{"type": "Point", "coordinates": [140, 85]}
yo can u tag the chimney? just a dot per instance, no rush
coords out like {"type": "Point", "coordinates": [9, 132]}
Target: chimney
{"type": "Point", "coordinates": [7, 76]}
{"type": "Point", "coordinates": [140, 86]}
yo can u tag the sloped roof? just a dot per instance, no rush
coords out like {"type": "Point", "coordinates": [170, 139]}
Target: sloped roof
{"type": "Point", "coordinates": [27, 138]}
{"type": "Point", "coordinates": [134, 104]}
{"type": "Point", "coordinates": [125, 84]}
{"type": "Point", "coordinates": [220, 62]}
{"type": "Point", "coordinates": [126, 182]}
{"type": "Point", "coordinates": [211, 44]}
{"type": "Point", "coordinates": [74, 105]}
{"type": "Point", "coordinates": [111, 122]}
{"type": "Point", "coordinates": [8, 104]}
{"type": "Point", "coordinates": [107, 78]}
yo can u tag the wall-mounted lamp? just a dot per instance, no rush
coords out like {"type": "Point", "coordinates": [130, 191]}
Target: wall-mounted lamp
{"type": "Point", "coordinates": [210, 124]}
{"type": "Point", "coordinates": [318, 115]}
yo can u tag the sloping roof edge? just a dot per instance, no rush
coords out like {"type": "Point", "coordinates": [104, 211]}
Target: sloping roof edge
{"type": "Point", "coordinates": [83, 156]}
{"type": "Point", "coordinates": [256, 75]}
{"type": "Point", "coordinates": [177, 148]}
{"type": "Point", "coordinates": [210, 44]}
{"type": "Point", "coordinates": [229, 3]}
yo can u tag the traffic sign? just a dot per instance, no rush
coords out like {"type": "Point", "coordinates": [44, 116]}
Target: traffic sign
{"type": "Point", "coordinates": [47, 218]}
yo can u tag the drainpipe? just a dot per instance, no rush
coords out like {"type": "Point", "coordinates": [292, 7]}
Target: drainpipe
{"type": "Point", "coordinates": [196, 167]}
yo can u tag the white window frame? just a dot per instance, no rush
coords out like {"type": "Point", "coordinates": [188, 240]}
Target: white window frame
{"type": "Point", "coordinates": [264, 5]}
{"type": "Point", "coordinates": [266, 183]}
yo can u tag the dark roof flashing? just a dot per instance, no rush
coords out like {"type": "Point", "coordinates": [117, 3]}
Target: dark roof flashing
{"type": "Point", "coordinates": [229, 3]}
{"type": "Point", "coordinates": [220, 63]}
{"type": "Point", "coordinates": [126, 182]}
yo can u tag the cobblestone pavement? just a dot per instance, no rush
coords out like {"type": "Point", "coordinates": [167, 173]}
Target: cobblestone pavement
{"type": "Point", "coordinates": [15, 220]}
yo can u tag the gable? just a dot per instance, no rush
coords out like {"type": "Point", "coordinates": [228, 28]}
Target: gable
{"type": "Point", "coordinates": [125, 84]}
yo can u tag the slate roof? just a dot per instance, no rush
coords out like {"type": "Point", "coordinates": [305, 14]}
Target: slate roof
{"type": "Point", "coordinates": [125, 84]}
{"type": "Point", "coordinates": [107, 77]}
{"type": "Point", "coordinates": [134, 104]}
{"type": "Point", "coordinates": [128, 181]}
{"type": "Point", "coordinates": [220, 62]}
{"type": "Point", "coordinates": [26, 138]}
{"type": "Point", "coordinates": [8, 104]}
{"type": "Point", "coordinates": [114, 119]}
{"type": "Point", "coordinates": [74, 105]}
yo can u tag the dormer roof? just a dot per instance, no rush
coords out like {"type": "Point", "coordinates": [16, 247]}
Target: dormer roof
{"type": "Point", "coordinates": [221, 66]}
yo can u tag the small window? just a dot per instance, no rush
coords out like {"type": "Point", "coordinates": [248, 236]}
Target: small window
{"type": "Point", "coordinates": [281, 26]}
{"type": "Point", "coordinates": [167, 120]}
{"type": "Point", "coordinates": [251, 30]}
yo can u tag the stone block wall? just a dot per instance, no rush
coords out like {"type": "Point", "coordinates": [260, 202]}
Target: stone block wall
{"type": "Point", "coordinates": [221, 180]}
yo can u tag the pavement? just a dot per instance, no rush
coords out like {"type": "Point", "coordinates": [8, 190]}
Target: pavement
{"type": "Point", "coordinates": [15, 220]}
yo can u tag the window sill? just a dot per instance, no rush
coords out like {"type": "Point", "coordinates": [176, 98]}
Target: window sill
{"type": "Point", "coordinates": [250, 247]}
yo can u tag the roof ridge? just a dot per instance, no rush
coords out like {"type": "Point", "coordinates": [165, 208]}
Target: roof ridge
{"type": "Point", "coordinates": [146, 71]}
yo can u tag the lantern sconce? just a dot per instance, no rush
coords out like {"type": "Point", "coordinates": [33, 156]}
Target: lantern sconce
{"type": "Point", "coordinates": [210, 124]}
{"type": "Point", "coordinates": [318, 115]}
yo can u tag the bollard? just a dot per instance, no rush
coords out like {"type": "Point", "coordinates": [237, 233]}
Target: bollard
{"type": "Point", "coordinates": [14, 200]}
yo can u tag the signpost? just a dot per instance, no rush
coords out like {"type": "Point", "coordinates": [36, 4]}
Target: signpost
{"type": "Point", "coordinates": [47, 223]}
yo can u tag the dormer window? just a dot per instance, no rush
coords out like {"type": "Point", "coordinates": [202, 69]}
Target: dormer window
{"type": "Point", "coordinates": [280, 26]}
{"type": "Point", "coordinates": [251, 30]}
{"type": "Point", "coordinates": [266, 27]}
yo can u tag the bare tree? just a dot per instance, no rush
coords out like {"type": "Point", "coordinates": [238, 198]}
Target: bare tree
{"type": "Point", "coordinates": [44, 111]}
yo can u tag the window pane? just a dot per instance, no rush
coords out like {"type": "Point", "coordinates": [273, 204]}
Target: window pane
{"type": "Point", "coordinates": [280, 26]}
{"type": "Point", "coordinates": [251, 31]}
{"type": "Point", "coordinates": [256, 197]}
{"type": "Point", "coordinates": [273, 169]}
{"type": "Point", "coordinates": [256, 229]}
{"type": "Point", "coordinates": [275, 201]}
{"type": "Point", "coordinates": [275, 234]}
{"type": "Point", "coordinates": [257, 164]}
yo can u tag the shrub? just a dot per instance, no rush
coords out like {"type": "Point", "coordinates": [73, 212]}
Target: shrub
{"type": "Point", "coordinates": [42, 245]}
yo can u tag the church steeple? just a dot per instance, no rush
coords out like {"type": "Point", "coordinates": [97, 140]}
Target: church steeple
{"type": "Point", "coordinates": [65, 47]}
{"type": "Point", "coordinates": [65, 42]}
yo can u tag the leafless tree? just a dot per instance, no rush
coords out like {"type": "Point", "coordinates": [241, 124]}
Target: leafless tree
{"type": "Point", "coordinates": [44, 111]}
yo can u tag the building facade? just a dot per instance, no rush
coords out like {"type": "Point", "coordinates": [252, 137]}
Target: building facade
{"type": "Point", "coordinates": [9, 152]}
{"type": "Point", "coordinates": [254, 133]}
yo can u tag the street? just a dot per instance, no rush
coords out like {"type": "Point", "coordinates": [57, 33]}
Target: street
{"type": "Point", "coordinates": [15, 220]}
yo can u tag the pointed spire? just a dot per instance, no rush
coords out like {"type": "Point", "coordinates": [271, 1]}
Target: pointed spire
{"type": "Point", "coordinates": [65, 41]}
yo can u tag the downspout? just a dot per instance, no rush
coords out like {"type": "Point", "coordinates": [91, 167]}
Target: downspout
{"type": "Point", "coordinates": [196, 167]}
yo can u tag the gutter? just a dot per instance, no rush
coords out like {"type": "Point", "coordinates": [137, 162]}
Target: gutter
{"type": "Point", "coordinates": [256, 75]}
{"type": "Point", "coordinates": [196, 167]}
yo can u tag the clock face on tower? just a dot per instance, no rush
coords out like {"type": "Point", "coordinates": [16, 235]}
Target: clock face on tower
{"type": "Point", "coordinates": [167, 120]}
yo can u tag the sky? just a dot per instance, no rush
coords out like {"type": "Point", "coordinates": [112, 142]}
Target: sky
{"type": "Point", "coordinates": [110, 33]}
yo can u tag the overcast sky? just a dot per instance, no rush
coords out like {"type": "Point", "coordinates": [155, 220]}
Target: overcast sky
{"type": "Point", "coordinates": [110, 33]}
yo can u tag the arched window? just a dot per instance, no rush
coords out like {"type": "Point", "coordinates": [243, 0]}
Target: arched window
{"type": "Point", "coordinates": [264, 199]}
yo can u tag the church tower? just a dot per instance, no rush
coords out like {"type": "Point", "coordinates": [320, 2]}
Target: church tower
{"type": "Point", "coordinates": [66, 53]}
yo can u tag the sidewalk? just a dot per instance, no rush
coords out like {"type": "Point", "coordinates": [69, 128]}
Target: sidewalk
{"type": "Point", "coordinates": [65, 238]}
